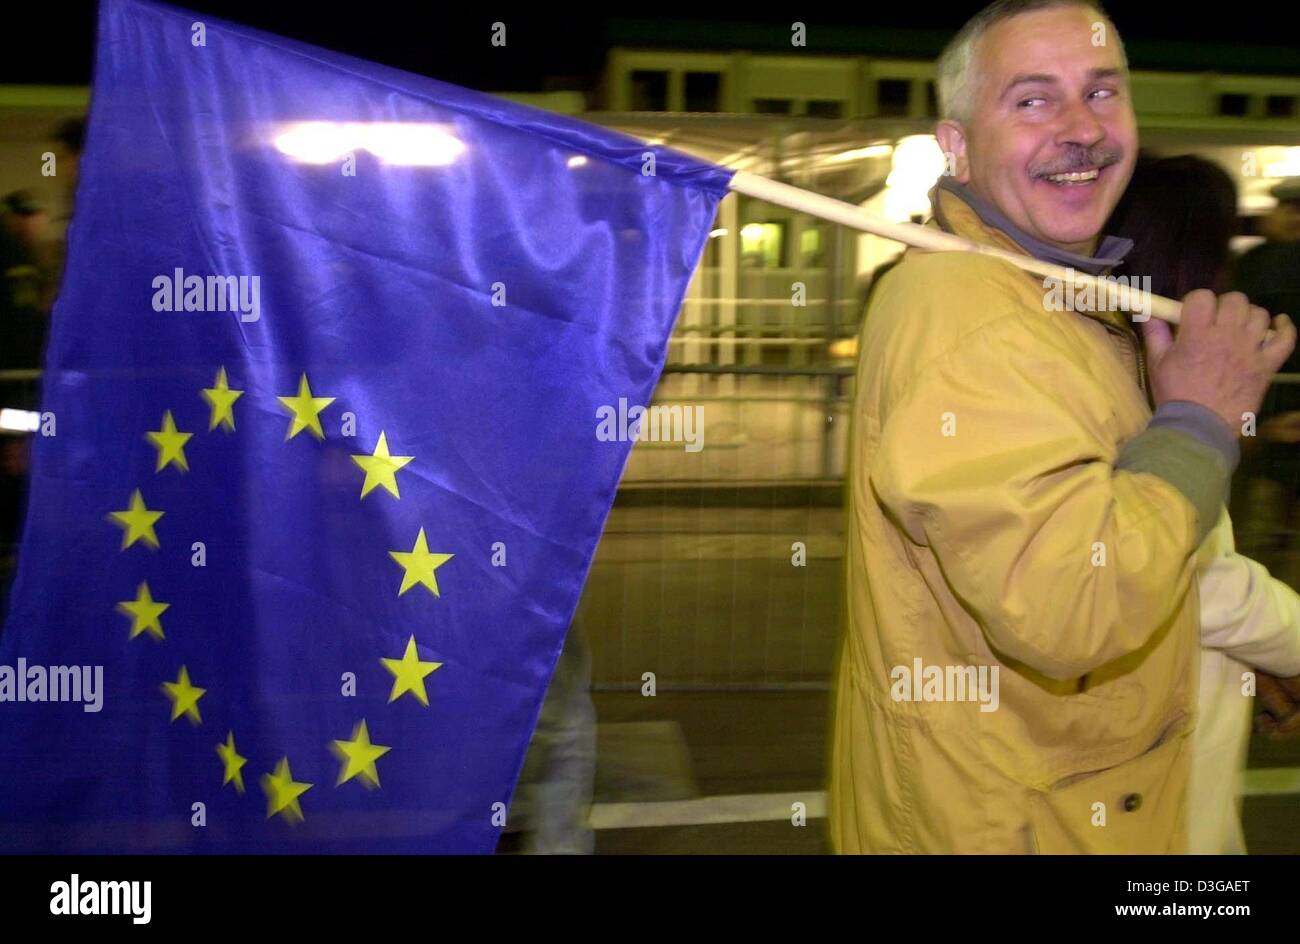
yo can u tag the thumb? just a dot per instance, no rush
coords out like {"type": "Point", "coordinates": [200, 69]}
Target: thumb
{"type": "Point", "coordinates": [1159, 337]}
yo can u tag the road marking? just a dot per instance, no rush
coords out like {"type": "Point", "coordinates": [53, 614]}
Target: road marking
{"type": "Point", "coordinates": [707, 811]}
{"type": "Point", "coordinates": [779, 807]}
{"type": "Point", "coordinates": [1271, 781]}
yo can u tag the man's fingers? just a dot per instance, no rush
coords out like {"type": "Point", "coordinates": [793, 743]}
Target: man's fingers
{"type": "Point", "coordinates": [1281, 342]}
{"type": "Point", "coordinates": [1256, 323]}
{"type": "Point", "coordinates": [1233, 311]}
{"type": "Point", "coordinates": [1159, 337]}
{"type": "Point", "coordinates": [1198, 310]}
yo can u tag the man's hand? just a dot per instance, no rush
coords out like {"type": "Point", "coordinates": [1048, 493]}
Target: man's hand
{"type": "Point", "coordinates": [1223, 356]}
{"type": "Point", "coordinates": [1277, 705]}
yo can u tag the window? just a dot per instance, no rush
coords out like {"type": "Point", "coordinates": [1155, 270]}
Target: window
{"type": "Point", "coordinates": [1234, 104]}
{"type": "Point", "coordinates": [649, 91]}
{"type": "Point", "coordinates": [893, 96]}
{"type": "Point", "coordinates": [772, 106]}
{"type": "Point", "coordinates": [703, 91]}
{"type": "Point", "coordinates": [824, 108]}
{"type": "Point", "coordinates": [811, 241]}
{"type": "Point", "coordinates": [1280, 106]}
{"type": "Point", "coordinates": [931, 100]}
{"type": "Point", "coordinates": [762, 245]}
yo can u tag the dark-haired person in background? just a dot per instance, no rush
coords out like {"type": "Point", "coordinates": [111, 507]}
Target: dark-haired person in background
{"type": "Point", "coordinates": [1270, 275]}
{"type": "Point", "coordinates": [1181, 214]}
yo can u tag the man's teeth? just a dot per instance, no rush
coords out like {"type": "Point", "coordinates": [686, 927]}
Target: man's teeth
{"type": "Point", "coordinates": [1076, 178]}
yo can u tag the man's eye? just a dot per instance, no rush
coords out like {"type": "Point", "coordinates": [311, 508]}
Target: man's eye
{"type": "Point", "coordinates": [1027, 102]}
{"type": "Point", "coordinates": [1102, 93]}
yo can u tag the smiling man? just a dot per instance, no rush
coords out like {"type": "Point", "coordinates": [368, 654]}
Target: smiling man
{"type": "Point", "coordinates": [1025, 493]}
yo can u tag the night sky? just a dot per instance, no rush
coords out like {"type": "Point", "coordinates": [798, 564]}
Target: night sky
{"type": "Point", "coordinates": [450, 41]}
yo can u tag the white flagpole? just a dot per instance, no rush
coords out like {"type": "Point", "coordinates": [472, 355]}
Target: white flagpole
{"type": "Point", "coordinates": [927, 237]}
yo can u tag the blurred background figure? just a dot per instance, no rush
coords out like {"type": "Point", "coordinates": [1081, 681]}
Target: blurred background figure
{"type": "Point", "coordinates": [33, 250]}
{"type": "Point", "coordinates": [26, 292]}
{"type": "Point", "coordinates": [1270, 275]}
{"type": "Point", "coordinates": [27, 284]}
{"type": "Point", "coordinates": [554, 795]}
{"type": "Point", "coordinates": [1181, 213]}
{"type": "Point", "coordinates": [70, 135]}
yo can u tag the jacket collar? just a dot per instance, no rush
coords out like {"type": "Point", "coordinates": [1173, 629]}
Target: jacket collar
{"type": "Point", "coordinates": [957, 209]}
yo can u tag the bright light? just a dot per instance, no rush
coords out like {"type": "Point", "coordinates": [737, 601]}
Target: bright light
{"type": "Point", "coordinates": [918, 164]}
{"type": "Point", "coordinates": [1281, 162]}
{"type": "Point", "coordinates": [862, 153]}
{"type": "Point", "coordinates": [315, 142]}
{"type": "Point", "coordinates": [412, 145]}
{"type": "Point", "coordinates": [752, 231]}
{"type": "Point", "coordinates": [844, 348]}
{"type": "Point", "coordinates": [577, 161]}
{"type": "Point", "coordinates": [1253, 203]}
{"type": "Point", "coordinates": [717, 233]}
{"type": "Point", "coordinates": [19, 421]}
{"type": "Point", "coordinates": [405, 144]}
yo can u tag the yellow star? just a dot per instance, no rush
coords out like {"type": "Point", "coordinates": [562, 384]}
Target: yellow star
{"type": "Point", "coordinates": [409, 674]}
{"type": "Point", "coordinates": [232, 763]}
{"type": "Point", "coordinates": [170, 443]}
{"type": "Point", "coordinates": [222, 400]}
{"type": "Point", "coordinates": [358, 756]}
{"type": "Point", "coordinates": [381, 468]}
{"type": "Point", "coordinates": [419, 565]}
{"type": "Point", "coordinates": [138, 521]}
{"type": "Point", "coordinates": [184, 697]}
{"type": "Point", "coordinates": [282, 792]}
{"type": "Point", "coordinates": [306, 410]}
{"type": "Point", "coordinates": [144, 612]}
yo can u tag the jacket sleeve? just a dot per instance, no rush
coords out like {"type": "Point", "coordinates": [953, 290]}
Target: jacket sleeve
{"type": "Point", "coordinates": [1000, 455]}
{"type": "Point", "coordinates": [1246, 613]}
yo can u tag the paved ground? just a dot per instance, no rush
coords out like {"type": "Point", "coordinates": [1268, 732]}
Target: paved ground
{"type": "Point", "coordinates": [699, 586]}
{"type": "Point", "coordinates": [757, 744]}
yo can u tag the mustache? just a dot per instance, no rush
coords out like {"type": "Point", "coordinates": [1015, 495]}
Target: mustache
{"type": "Point", "coordinates": [1079, 160]}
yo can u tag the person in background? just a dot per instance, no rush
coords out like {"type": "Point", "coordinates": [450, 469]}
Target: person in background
{"type": "Point", "coordinates": [558, 778]}
{"type": "Point", "coordinates": [25, 291]}
{"type": "Point", "coordinates": [1270, 475]}
{"type": "Point", "coordinates": [1181, 213]}
{"type": "Point", "coordinates": [24, 280]}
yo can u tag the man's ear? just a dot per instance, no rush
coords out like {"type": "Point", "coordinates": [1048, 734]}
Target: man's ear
{"type": "Point", "coordinates": [952, 141]}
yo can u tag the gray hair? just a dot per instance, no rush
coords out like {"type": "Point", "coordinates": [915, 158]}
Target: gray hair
{"type": "Point", "coordinates": [956, 65]}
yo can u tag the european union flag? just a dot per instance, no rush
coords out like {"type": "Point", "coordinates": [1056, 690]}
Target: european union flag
{"type": "Point", "coordinates": [318, 482]}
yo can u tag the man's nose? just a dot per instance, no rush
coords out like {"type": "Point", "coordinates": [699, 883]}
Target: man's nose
{"type": "Point", "coordinates": [1079, 125]}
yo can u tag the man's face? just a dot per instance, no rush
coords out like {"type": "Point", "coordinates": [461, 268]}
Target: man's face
{"type": "Point", "coordinates": [1050, 103]}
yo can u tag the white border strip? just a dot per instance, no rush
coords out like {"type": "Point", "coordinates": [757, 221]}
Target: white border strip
{"type": "Point", "coordinates": [1271, 781]}
{"type": "Point", "coordinates": [780, 807]}
{"type": "Point", "coordinates": [706, 811]}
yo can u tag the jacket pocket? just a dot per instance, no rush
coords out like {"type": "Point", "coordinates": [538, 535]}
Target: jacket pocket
{"type": "Point", "coordinates": [1142, 805]}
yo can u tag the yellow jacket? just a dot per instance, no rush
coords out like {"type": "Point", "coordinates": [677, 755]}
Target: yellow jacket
{"type": "Point", "coordinates": [988, 526]}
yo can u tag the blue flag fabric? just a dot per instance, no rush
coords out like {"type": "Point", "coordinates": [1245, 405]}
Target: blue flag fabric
{"type": "Point", "coordinates": [324, 481]}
